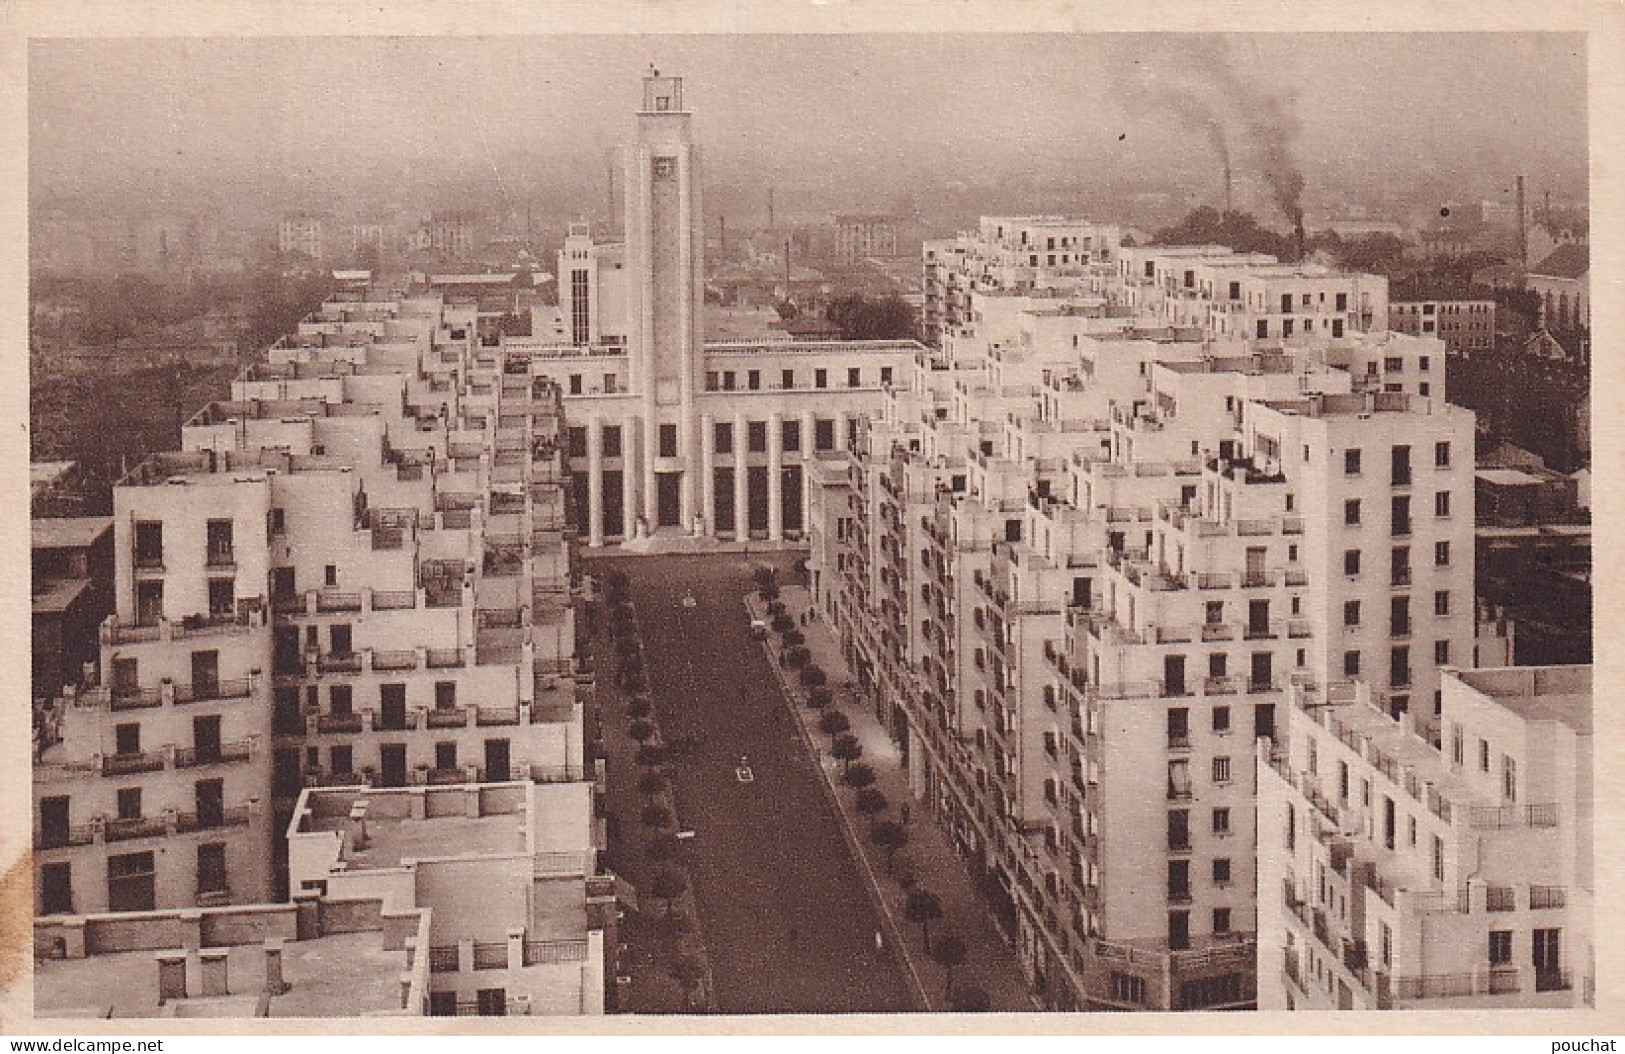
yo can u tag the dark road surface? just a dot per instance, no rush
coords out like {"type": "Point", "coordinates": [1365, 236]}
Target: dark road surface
{"type": "Point", "coordinates": [786, 919]}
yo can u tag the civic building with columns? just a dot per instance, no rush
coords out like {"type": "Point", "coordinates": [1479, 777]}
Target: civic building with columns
{"type": "Point", "coordinates": [672, 437]}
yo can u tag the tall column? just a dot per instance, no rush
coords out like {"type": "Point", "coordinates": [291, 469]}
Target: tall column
{"type": "Point", "coordinates": [840, 430]}
{"type": "Point", "coordinates": [651, 451]}
{"type": "Point", "coordinates": [741, 491]}
{"type": "Point", "coordinates": [631, 451]}
{"type": "Point", "coordinates": [775, 478]}
{"type": "Point", "coordinates": [595, 482]}
{"type": "Point", "coordinates": [686, 495]}
{"type": "Point", "coordinates": [806, 472]}
{"type": "Point", "coordinates": [708, 478]}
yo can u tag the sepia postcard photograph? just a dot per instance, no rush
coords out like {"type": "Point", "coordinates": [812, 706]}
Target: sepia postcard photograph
{"type": "Point", "coordinates": [805, 510]}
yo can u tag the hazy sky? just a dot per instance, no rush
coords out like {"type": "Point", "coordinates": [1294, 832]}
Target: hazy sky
{"type": "Point", "coordinates": [853, 110]}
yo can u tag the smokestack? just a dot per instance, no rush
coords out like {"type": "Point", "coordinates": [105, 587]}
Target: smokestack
{"type": "Point", "coordinates": [1523, 229]}
{"type": "Point", "coordinates": [1229, 187]}
{"type": "Point", "coordinates": [610, 166]}
{"type": "Point", "coordinates": [722, 232]}
{"type": "Point", "coordinates": [770, 225]}
{"type": "Point", "coordinates": [1298, 235]}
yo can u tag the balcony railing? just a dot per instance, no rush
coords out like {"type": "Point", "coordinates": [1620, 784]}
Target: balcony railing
{"type": "Point", "coordinates": [129, 764]}
{"type": "Point", "coordinates": [542, 953]}
{"type": "Point", "coordinates": [205, 691]}
{"type": "Point", "coordinates": [62, 837]}
{"type": "Point", "coordinates": [443, 658]}
{"type": "Point", "coordinates": [224, 753]}
{"type": "Point", "coordinates": [394, 660]}
{"type": "Point", "coordinates": [339, 662]}
{"type": "Point", "coordinates": [447, 717]}
{"type": "Point", "coordinates": [135, 698]}
{"type": "Point", "coordinates": [443, 959]}
{"type": "Point", "coordinates": [486, 716]}
{"type": "Point", "coordinates": [350, 723]}
{"type": "Point", "coordinates": [235, 816]}
{"type": "Point", "coordinates": [1456, 985]}
{"type": "Point", "coordinates": [135, 827]}
{"type": "Point", "coordinates": [1482, 817]}
{"type": "Point", "coordinates": [491, 955]}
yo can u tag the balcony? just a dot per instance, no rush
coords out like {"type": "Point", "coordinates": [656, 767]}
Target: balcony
{"type": "Point", "coordinates": [207, 820]}
{"type": "Point", "coordinates": [339, 662]}
{"type": "Point", "coordinates": [328, 602]}
{"type": "Point", "coordinates": [130, 764]}
{"type": "Point", "coordinates": [224, 753]}
{"type": "Point", "coordinates": [443, 658]}
{"type": "Point", "coordinates": [206, 691]}
{"type": "Point", "coordinates": [222, 559]}
{"type": "Point", "coordinates": [1492, 981]}
{"type": "Point", "coordinates": [63, 837]}
{"type": "Point", "coordinates": [124, 830]}
{"type": "Point", "coordinates": [394, 660]}
{"type": "Point", "coordinates": [349, 724]}
{"type": "Point", "coordinates": [1216, 631]}
{"type": "Point", "coordinates": [1543, 898]}
{"type": "Point", "coordinates": [447, 717]}
{"type": "Point", "coordinates": [134, 698]}
{"type": "Point", "coordinates": [489, 716]}
{"type": "Point", "coordinates": [1491, 817]}
{"type": "Point", "coordinates": [545, 953]}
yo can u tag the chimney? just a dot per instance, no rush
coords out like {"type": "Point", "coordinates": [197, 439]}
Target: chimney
{"type": "Point", "coordinates": [213, 969]}
{"type": "Point", "coordinates": [770, 224]}
{"type": "Point", "coordinates": [171, 976]}
{"type": "Point", "coordinates": [1523, 229]}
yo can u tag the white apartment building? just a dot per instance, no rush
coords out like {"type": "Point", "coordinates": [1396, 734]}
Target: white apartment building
{"type": "Point", "coordinates": [1081, 565]}
{"type": "Point", "coordinates": [1397, 875]}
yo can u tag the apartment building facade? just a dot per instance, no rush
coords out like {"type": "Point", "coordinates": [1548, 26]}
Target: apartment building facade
{"type": "Point", "coordinates": [1105, 534]}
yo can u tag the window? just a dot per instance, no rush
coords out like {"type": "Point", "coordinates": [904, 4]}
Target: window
{"type": "Point", "coordinates": [1351, 462]}
{"type": "Point", "coordinates": [824, 434]}
{"type": "Point", "coordinates": [1441, 455]}
{"type": "Point", "coordinates": [222, 596]}
{"type": "Point", "coordinates": [1221, 920]}
{"type": "Point", "coordinates": [1457, 747]}
{"type": "Point", "coordinates": [578, 441]}
{"type": "Point", "coordinates": [211, 867]}
{"type": "Point", "coordinates": [1351, 562]}
{"type": "Point", "coordinates": [1399, 667]}
{"type": "Point", "coordinates": [1441, 504]}
{"type": "Point", "coordinates": [129, 803]}
{"type": "Point", "coordinates": [1351, 512]}
{"type": "Point", "coordinates": [330, 575]}
{"type": "Point", "coordinates": [1441, 554]}
{"type": "Point", "coordinates": [1221, 772]}
{"type": "Point", "coordinates": [445, 695]}
{"type": "Point", "coordinates": [1221, 871]}
{"type": "Point", "coordinates": [756, 436]}
{"type": "Point", "coordinates": [1500, 947]}
{"type": "Point", "coordinates": [1126, 988]}
{"type": "Point", "coordinates": [1400, 515]}
{"type": "Point", "coordinates": [1221, 817]}
{"type": "Point", "coordinates": [1351, 664]}
{"type": "Point", "coordinates": [723, 435]}
{"type": "Point", "coordinates": [1221, 719]}
{"type": "Point", "coordinates": [854, 377]}
{"type": "Point", "coordinates": [1393, 364]}
{"type": "Point", "coordinates": [610, 385]}
{"type": "Point", "coordinates": [885, 374]}
{"type": "Point", "coordinates": [753, 380]}
{"type": "Point", "coordinates": [1441, 652]}
{"type": "Point", "coordinates": [1263, 328]}
{"type": "Point", "coordinates": [668, 440]}
{"type": "Point", "coordinates": [575, 384]}
{"type": "Point", "coordinates": [1441, 602]}
{"type": "Point", "coordinates": [711, 380]}
{"type": "Point", "coordinates": [1509, 778]}
{"type": "Point", "coordinates": [1400, 467]}
{"type": "Point", "coordinates": [1179, 930]}
{"type": "Point", "coordinates": [1423, 363]}
{"type": "Point", "coordinates": [219, 542]}
{"type": "Point", "coordinates": [1351, 613]}
{"type": "Point", "coordinates": [149, 544]}
{"type": "Point", "coordinates": [728, 380]}
{"type": "Point", "coordinates": [820, 378]}
{"type": "Point", "coordinates": [1483, 755]}
{"type": "Point", "coordinates": [1438, 858]}
{"type": "Point", "coordinates": [790, 436]}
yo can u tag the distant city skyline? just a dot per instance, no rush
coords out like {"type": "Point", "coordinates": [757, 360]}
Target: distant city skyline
{"type": "Point", "coordinates": [847, 120]}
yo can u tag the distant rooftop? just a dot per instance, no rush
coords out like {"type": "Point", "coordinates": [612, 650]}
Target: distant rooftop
{"type": "Point", "coordinates": [1566, 261]}
{"type": "Point", "coordinates": [67, 532]}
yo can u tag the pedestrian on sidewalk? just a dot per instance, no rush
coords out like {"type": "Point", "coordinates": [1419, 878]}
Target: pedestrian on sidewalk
{"type": "Point", "coordinates": [905, 813]}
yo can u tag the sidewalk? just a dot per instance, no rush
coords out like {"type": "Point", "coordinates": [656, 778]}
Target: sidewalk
{"type": "Point", "coordinates": [990, 964]}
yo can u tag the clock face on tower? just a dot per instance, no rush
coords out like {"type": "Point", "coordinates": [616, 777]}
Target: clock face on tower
{"type": "Point", "coordinates": [665, 168]}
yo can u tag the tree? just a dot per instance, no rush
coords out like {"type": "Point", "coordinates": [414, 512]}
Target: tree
{"type": "Point", "coordinates": [813, 676]}
{"type": "Point", "coordinates": [796, 658]}
{"type": "Point", "coordinates": [970, 999]}
{"type": "Point", "coordinates": [769, 591]}
{"type": "Point", "coordinates": [847, 749]}
{"type": "Point", "coordinates": [642, 731]}
{"type": "Point", "coordinates": [859, 776]}
{"type": "Point", "coordinates": [890, 836]}
{"type": "Point", "coordinates": [820, 697]}
{"type": "Point", "coordinates": [794, 638]}
{"type": "Point", "coordinates": [860, 318]}
{"type": "Point", "coordinates": [633, 681]}
{"type": "Point", "coordinates": [923, 907]}
{"type": "Point", "coordinates": [639, 707]}
{"type": "Point", "coordinates": [688, 971]}
{"type": "Point", "coordinates": [951, 953]}
{"type": "Point", "coordinates": [871, 803]}
{"type": "Point", "coordinates": [668, 886]}
{"type": "Point", "coordinates": [651, 754]}
{"type": "Point", "coordinates": [663, 847]}
{"type": "Point", "coordinates": [656, 815]}
{"type": "Point", "coordinates": [833, 723]}
{"type": "Point", "coordinates": [651, 783]}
